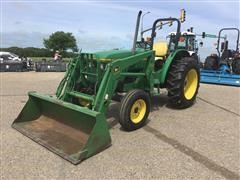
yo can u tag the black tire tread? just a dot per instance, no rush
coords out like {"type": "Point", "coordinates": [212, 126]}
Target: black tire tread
{"type": "Point", "coordinates": [210, 63]}
{"type": "Point", "coordinates": [236, 66]}
{"type": "Point", "coordinates": [175, 81]}
{"type": "Point", "coordinates": [124, 109]}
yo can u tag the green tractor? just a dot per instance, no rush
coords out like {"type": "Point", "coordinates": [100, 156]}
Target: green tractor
{"type": "Point", "coordinates": [73, 122]}
{"type": "Point", "coordinates": [187, 41]}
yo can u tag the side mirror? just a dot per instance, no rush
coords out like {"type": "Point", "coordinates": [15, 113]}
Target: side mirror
{"type": "Point", "coordinates": [201, 44]}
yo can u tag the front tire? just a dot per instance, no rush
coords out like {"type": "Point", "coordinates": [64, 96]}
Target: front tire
{"type": "Point", "coordinates": [236, 66]}
{"type": "Point", "coordinates": [183, 82]}
{"type": "Point", "coordinates": [134, 110]}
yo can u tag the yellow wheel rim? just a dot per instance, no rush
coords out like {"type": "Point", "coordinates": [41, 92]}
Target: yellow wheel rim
{"type": "Point", "coordinates": [191, 83]}
{"type": "Point", "coordinates": [138, 111]}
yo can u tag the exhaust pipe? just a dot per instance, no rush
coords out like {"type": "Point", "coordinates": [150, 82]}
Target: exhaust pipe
{"type": "Point", "coordinates": [136, 32]}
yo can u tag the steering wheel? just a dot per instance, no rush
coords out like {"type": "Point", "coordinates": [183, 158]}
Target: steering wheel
{"type": "Point", "coordinates": [143, 44]}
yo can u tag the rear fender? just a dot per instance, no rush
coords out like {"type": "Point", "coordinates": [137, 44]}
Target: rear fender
{"type": "Point", "coordinates": [173, 56]}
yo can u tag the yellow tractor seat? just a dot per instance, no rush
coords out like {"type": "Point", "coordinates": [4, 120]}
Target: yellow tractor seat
{"type": "Point", "coordinates": [160, 49]}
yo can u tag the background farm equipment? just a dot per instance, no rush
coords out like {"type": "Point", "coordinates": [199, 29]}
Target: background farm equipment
{"type": "Point", "coordinates": [224, 67]}
{"type": "Point", "coordinates": [188, 42]}
{"type": "Point", "coordinates": [73, 122]}
{"type": "Point", "coordinates": [10, 62]}
{"type": "Point", "coordinates": [50, 66]}
{"type": "Point", "coordinates": [54, 65]}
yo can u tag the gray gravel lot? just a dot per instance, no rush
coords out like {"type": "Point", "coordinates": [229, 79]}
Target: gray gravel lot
{"type": "Point", "coordinates": [201, 142]}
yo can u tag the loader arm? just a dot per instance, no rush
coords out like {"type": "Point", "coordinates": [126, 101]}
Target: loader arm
{"type": "Point", "coordinates": [66, 81]}
{"type": "Point", "coordinates": [118, 69]}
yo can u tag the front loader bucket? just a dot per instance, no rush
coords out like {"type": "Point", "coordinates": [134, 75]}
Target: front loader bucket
{"type": "Point", "coordinates": [73, 132]}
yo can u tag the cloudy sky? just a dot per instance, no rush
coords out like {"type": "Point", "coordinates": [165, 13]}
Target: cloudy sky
{"type": "Point", "coordinates": [101, 25]}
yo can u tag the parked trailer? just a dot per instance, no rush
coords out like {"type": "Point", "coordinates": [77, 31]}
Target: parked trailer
{"type": "Point", "coordinates": [51, 66]}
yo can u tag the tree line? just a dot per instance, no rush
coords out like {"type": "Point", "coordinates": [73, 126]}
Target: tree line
{"type": "Point", "coordinates": [34, 52]}
{"type": "Point", "coordinates": [61, 41]}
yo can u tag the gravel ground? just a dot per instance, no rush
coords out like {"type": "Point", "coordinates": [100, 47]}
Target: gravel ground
{"type": "Point", "coordinates": [201, 142]}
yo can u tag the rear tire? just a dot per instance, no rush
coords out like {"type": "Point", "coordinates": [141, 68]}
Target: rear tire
{"type": "Point", "coordinates": [183, 82]}
{"type": "Point", "coordinates": [236, 66]}
{"type": "Point", "coordinates": [211, 63]}
{"type": "Point", "coordinates": [134, 110]}
{"type": "Point", "coordinates": [195, 56]}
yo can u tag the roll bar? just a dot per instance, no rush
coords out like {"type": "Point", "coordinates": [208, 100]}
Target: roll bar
{"type": "Point", "coordinates": [178, 33]}
{"type": "Point", "coordinates": [227, 29]}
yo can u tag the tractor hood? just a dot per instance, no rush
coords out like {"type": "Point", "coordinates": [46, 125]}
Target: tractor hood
{"type": "Point", "coordinates": [115, 54]}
